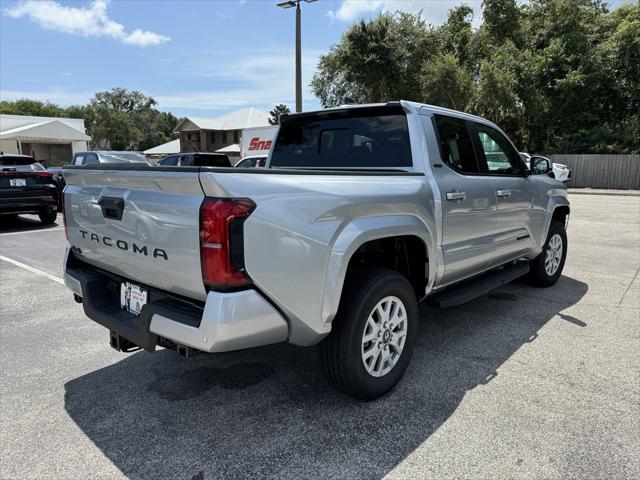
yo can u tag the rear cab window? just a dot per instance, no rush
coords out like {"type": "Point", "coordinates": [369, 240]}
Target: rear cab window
{"type": "Point", "coordinates": [355, 138]}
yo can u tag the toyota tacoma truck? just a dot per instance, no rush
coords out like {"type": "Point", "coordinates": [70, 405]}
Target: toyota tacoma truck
{"type": "Point", "coordinates": [361, 213]}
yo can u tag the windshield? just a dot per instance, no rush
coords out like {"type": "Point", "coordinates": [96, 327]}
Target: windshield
{"type": "Point", "coordinates": [20, 164]}
{"type": "Point", "coordinates": [375, 137]}
{"type": "Point", "coordinates": [123, 157]}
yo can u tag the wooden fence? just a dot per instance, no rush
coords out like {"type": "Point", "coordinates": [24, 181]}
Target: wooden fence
{"type": "Point", "coordinates": [602, 171]}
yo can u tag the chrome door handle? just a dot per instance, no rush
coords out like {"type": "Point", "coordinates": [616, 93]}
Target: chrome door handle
{"type": "Point", "coordinates": [503, 193]}
{"type": "Point", "coordinates": [456, 195]}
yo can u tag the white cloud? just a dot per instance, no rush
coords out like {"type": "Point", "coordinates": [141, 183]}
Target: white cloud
{"type": "Point", "coordinates": [91, 21]}
{"type": "Point", "coordinates": [433, 11]}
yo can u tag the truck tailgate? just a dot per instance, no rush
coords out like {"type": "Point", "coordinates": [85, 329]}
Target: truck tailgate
{"type": "Point", "coordinates": [140, 224]}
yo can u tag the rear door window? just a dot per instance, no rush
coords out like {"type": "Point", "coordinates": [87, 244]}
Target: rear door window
{"type": "Point", "coordinates": [78, 160]}
{"type": "Point", "coordinates": [357, 138]}
{"type": "Point", "coordinates": [456, 147]}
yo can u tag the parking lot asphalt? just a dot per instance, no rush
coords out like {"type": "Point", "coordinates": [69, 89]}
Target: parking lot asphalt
{"type": "Point", "coordinates": [521, 383]}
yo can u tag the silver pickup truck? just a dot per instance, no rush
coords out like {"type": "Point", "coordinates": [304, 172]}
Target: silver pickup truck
{"type": "Point", "coordinates": [362, 212]}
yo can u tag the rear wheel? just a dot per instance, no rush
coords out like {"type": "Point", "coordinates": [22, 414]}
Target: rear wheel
{"type": "Point", "coordinates": [547, 267]}
{"type": "Point", "coordinates": [373, 334]}
{"type": "Point", "coordinates": [48, 216]}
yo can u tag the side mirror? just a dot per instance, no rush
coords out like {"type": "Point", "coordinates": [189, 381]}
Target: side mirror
{"type": "Point", "coordinates": [541, 165]}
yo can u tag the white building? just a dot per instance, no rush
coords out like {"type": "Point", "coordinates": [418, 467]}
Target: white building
{"type": "Point", "coordinates": [51, 140]}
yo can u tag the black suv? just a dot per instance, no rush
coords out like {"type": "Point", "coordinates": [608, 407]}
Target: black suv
{"type": "Point", "coordinates": [27, 187]}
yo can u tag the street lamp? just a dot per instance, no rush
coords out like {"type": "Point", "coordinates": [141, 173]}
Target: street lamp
{"type": "Point", "coordinates": [291, 4]}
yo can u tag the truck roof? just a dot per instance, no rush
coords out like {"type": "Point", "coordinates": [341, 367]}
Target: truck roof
{"type": "Point", "coordinates": [414, 107]}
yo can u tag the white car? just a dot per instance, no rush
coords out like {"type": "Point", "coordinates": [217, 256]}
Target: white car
{"type": "Point", "coordinates": [561, 172]}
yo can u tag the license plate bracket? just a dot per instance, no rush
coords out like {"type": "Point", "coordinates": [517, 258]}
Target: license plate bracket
{"type": "Point", "coordinates": [132, 297]}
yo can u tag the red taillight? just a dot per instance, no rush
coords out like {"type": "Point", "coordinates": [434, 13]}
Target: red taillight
{"type": "Point", "coordinates": [221, 241]}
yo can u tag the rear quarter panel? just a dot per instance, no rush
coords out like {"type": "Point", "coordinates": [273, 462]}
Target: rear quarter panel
{"type": "Point", "coordinates": [292, 252]}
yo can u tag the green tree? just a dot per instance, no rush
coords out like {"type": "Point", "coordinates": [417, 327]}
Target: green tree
{"type": "Point", "coordinates": [35, 108]}
{"type": "Point", "coordinates": [276, 112]}
{"type": "Point", "coordinates": [127, 120]}
{"type": "Point", "coordinates": [376, 60]}
{"type": "Point", "coordinates": [445, 82]}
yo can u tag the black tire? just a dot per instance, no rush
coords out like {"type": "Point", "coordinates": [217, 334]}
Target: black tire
{"type": "Point", "coordinates": [340, 352]}
{"type": "Point", "coordinates": [538, 274]}
{"type": "Point", "coordinates": [48, 216]}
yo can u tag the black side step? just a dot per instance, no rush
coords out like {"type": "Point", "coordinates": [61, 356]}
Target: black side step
{"type": "Point", "coordinates": [478, 286]}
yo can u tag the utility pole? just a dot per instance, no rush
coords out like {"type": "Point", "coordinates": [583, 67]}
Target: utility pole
{"type": "Point", "coordinates": [291, 4]}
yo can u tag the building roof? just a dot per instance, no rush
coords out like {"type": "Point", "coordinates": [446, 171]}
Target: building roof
{"type": "Point", "coordinates": [53, 130]}
{"type": "Point", "coordinates": [7, 122]}
{"type": "Point", "coordinates": [165, 149]}
{"type": "Point", "coordinates": [233, 148]}
{"type": "Point", "coordinates": [244, 118]}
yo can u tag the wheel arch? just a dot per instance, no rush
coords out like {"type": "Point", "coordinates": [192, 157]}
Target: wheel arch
{"type": "Point", "coordinates": [359, 234]}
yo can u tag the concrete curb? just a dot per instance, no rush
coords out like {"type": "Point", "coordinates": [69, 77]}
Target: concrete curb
{"type": "Point", "coordinates": [590, 191]}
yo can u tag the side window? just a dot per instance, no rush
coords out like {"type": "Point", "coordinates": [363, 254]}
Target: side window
{"type": "Point", "coordinates": [170, 160]}
{"type": "Point", "coordinates": [78, 160]}
{"type": "Point", "coordinates": [501, 157]}
{"type": "Point", "coordinates": [185, 161]}
{"type": "Point", "coordinates": [456, 147]}
{"type": "Point", "coordinates": [92, 158]}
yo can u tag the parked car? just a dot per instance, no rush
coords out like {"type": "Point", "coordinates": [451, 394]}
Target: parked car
{"type": "Point", "coordinates": [363, 212]}
{"type": "Point", "coordinates": [58, 181]}
{"type": "Point", "coordinates": [252, 161]}
{"type": "Point", "coordinates": [100, 156]}
{"type": "Point", "coordinates": [560, 171]}
{"type": "Point", "coordinates": [195, 159]}
{"type": "Point", "coordinates": [27, 188]}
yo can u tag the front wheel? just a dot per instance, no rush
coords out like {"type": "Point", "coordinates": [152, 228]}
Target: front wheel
{"type": "Point", "coordinates": [373, 334]}
{"type": "Point", "coordinates": [48, 216]}
{"type": "Point", "coordinates": [547, 267]}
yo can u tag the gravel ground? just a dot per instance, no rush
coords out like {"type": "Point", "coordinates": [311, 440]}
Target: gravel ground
{"type": "Point", "coordinates": [521, 383]}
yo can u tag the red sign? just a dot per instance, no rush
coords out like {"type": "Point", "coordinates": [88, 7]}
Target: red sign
{"type": "Point", "coordinates": [257, 144]}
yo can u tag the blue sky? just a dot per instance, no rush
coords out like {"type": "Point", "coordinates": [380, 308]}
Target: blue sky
{"type": "Point", "coordinates": [202, 58]}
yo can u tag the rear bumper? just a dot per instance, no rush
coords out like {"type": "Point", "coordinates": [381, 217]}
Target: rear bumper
{"type": "Point", "coordinates": [226, 321]}
{"type": "Point", "coordinates": [27, 202]}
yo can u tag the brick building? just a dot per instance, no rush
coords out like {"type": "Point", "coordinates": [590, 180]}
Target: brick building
{"type": "Point", "coordinates": [212, 134]}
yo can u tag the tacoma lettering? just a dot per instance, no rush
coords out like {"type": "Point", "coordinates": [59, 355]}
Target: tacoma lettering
{"type": "Point", "coordinates": [124, 245]}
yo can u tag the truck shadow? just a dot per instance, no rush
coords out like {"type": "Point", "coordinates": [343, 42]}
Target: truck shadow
{"type": "Point", "coordinates": [269, 412]}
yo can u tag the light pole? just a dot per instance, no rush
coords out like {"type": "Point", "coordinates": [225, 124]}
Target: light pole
{"type": "Point", "coordinates": [291, 4]}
